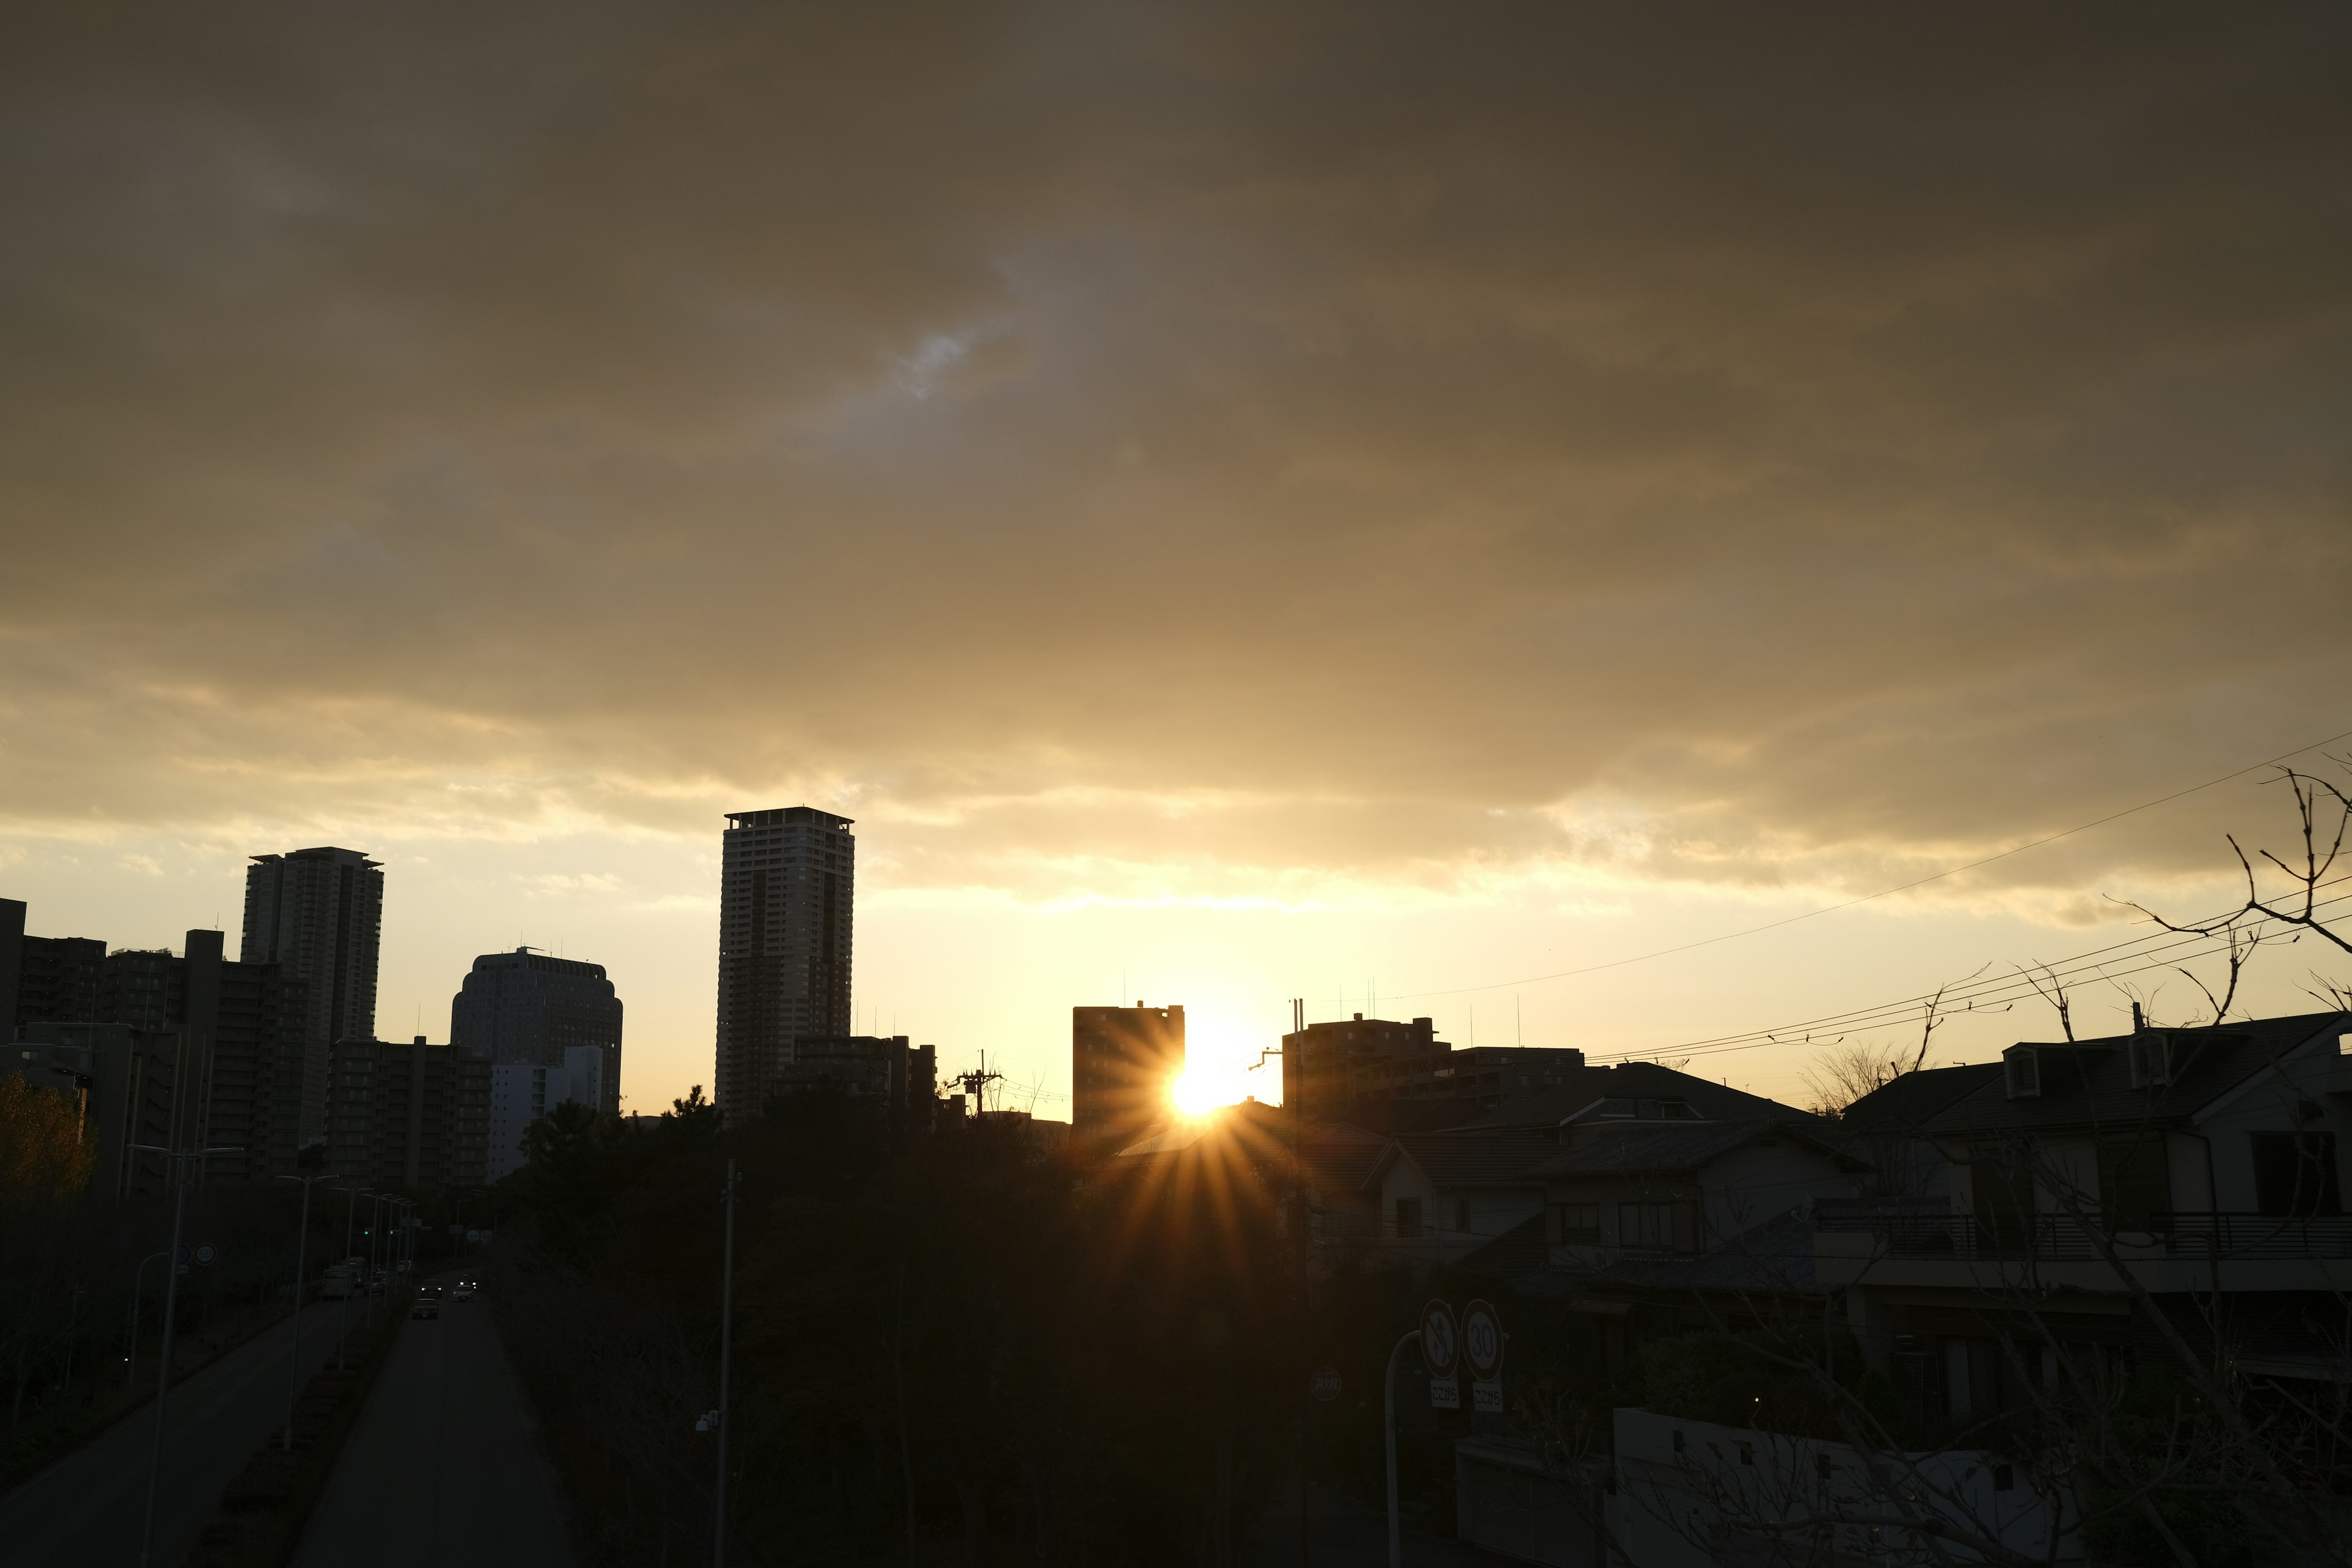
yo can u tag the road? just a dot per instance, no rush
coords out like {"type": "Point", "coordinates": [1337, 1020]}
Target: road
{"type": "Point", "coordinates": [87, 1508]}
{"type": "Point", "coordinates": [444, 1467]}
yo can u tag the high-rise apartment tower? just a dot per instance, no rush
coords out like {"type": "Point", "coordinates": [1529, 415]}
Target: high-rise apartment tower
{"type": "Point", "coordinates": [318, 914]}
{"type": "Point", "coordinates": [785, 892]}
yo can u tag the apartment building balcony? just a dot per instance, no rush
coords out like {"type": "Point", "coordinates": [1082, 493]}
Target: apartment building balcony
{"type": "Point", "coordinates": [2174, 1250]}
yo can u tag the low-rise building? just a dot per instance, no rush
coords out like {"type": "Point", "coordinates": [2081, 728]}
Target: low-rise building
{"type": "Point", "coordinates": [2082, 1179]}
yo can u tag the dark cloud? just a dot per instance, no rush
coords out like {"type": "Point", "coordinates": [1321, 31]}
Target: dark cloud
{"type": "Point", "coordinates": [1379, 438]}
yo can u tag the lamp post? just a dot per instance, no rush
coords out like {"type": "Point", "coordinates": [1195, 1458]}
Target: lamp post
{"type": "Point", "coordinates": [1387, 1407]}
{"type": "Point", "coordinates": [301, 1272]}
{"type": "Point", "coordinates": [351, 1197]}
{"type": "Point", "coordinates": [171, 1307]}
{"type": "Point", "coordinates": [726, 1346]}
{"type": "Point", "coordinates": [130, 1359]}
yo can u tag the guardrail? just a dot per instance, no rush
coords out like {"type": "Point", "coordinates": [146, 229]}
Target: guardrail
{"type": "Point", "coordinates": [2217, 1237]}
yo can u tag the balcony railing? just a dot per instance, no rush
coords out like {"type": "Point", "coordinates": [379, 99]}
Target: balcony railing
{"type": "Point", "coordinates": [2198, 1237]}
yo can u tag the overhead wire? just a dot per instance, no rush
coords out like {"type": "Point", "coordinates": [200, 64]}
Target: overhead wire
{"type": "Point", "coordinates": [1884, 892]}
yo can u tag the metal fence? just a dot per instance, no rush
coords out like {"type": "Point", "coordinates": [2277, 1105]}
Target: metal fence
{"type": "Point", "coordinates": [2223, 1237]}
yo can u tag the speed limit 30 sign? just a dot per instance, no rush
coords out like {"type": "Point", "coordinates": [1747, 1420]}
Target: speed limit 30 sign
{"type": "Point", "coordinates": [1481, 1350]}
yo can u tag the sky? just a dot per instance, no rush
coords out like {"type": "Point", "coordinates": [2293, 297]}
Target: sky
{"type": "Point", "coordinates": [1368, 503]}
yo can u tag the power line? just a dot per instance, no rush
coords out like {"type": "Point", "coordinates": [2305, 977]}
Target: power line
{"type": "Point", "coordinates": [2018, 989]}
{"type": "Point", "coordinates": [1884, 892]}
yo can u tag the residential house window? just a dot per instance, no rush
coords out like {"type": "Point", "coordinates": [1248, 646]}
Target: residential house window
{"type": "Point", "coordinates": [1656, 1228]}
{"type": "Point", "coordinates": [2135, 1183]}
{"type": "Point", "coordinates": [1576, 1224]}
{"type": "Point", "coordinates": [1408, 1219]}
{"type": "Point", "coordinates": [2295, 1173]}
{"type": "Point", "coordinates": [2001, 1192]}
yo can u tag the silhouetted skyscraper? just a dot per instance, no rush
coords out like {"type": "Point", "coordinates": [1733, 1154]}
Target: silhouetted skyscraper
{"type": "Point", "coordinates": [530, 1007]}
{"type": "Point", "coordinates": [786, 884]}
{"type": "Point", "coordinates": [319, 915]}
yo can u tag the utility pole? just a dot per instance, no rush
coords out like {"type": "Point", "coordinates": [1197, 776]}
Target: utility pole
{"type": "Point", "coordinates": [301, 1272]}
{"type": "Point", "coordinates": [171, 1307]}
{"type": "Point", "coordinates": [726, 1346]}
{"type": "Point", "coordinates": [1388, 1406]}
{"type": "Point", "coordinates": [130, 1358]}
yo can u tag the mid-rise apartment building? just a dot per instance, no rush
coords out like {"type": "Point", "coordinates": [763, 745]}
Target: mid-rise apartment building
{"type": "Point", "coordinates": [1328, 1067]}
{"type": "Point", "coordinates": [787, 887]}
{"type": "Point", "coordinates": [1123, 1063]}
{"type": "Point", "coordinates": [414, 1115]}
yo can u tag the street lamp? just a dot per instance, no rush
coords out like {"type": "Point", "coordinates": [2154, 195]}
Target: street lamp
{"type": "Point", "coordinates": [726, 1346]}
{"type": "Point", "coordinates": [171, 1307]}
{"type": "Point", "coordinates": [294, 1338]}
{"type": "Point", "coordinates": [130, 1360]}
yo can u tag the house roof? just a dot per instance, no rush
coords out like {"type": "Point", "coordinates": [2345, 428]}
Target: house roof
{"type": "Point", "coordinates": [1640, 1148]}
{"type": "Point", "coordinates": [1394, 1116]}
{"type": "Point", "coordinates": [1453, 1161]}
{"type": "Point", "coordinates": [2087, 1083]}
{"type": "Point", "coordinates": [1522, 1249]}
{"type": "Point", "coordinates": [1909, 1100]}
{"type": "Point", "coordinates": [1633, 1080]}
{"type": "Point", "coordinates": [1339, 1157]}
{"type": "Point", "coordinates": [1775, 1256]}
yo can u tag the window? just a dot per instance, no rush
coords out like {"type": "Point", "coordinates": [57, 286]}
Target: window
{"type": "Point", "coordinates": [1408, 1219]}
{"type": "Point", "coordinates": [2151, 1061]}
{"type": "Point", "coordinates": [1656, 1228]}
{"type": "Point", "coordinates": [2022, 1072]}
{"type": "Point", "coordinates": [2295, 1173]}
{"type": "Point", "coordinates": [2135, 1183]}
{"type": "Point", "coordinates": [2001, 1192]}
{"type": "Point", "coordinates": [1576, 1224]}
{"type": "Point", "coordinates": [1462, 1216]}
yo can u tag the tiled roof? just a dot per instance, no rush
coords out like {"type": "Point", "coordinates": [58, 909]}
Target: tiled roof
{"type": "Point", "coordinates": [1453, 1161]}
{"type": "Point", "coordinates": [1522, 1249]}
{"type": "Point", "coordinates": [2087, 1083]}
{"type": "Point", "coordinates": [1632, 1148]}
{"type": "Point", "coordinates": [1773, 1257]}
{"type": "Point", "coordinates": [1634, 1080]}
{"type": "Point", "coordinates": [1338, 1156]}
{"type": "Point", "coordinates": [1910, 1100]}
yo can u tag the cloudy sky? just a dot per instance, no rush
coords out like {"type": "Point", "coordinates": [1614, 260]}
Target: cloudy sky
{"type": "Point", "coordinates": [1353, 502]}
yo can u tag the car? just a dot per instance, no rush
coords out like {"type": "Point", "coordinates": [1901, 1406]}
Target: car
{"type": "Point", "coordinates": [426, 1306]}
{"type": "Point", "coordinates": [464, 1292]}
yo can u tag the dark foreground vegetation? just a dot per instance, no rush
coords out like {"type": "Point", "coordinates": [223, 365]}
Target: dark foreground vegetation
{"type": "Point", "coordinates": [953, 1347]}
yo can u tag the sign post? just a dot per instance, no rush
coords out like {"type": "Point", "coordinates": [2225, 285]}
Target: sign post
{"type": "Point", "coordinates": [1325, 1385]}
{"type": "Point", "coordinates": [1481, 1350]}
{"type": "Point", "coordinates": [1440, 1352]}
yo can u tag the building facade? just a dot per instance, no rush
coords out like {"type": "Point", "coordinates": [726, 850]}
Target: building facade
{"type": "Point", "coordinates": [1123, 1063]}
{"type": "Point", "coordinates": [528, 1008]}
{"type": "Point", "coordinates": [523, 1092]}
{"type": "Point", "coordinates": [1328, 1067]}
{"type": "Point", "coordinates": [902, 1078]}
{"type": "Point", "coordinates": [229, 1037]}
{"type": "Point", "coordinates": [319, 914]}
{"type": "Point", "coordinates": [57, 979]}
{"type": "Point", "coordinates": [787, 886]}
{"type": "Point", "coordinates": [416, 1115]}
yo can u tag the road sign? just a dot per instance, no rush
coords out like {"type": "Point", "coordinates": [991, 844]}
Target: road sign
{"type": "Point", "coordinates": [205, 1254]}
{"type": "Point", "coordinates": [182, 1256]}
{"type": "Point", "coordinates": [1325, 1383]}
{"type": "Point", "coordinates": [1440, 1352]}
{"type": "Point", "coordinates": [1482, 1342]}
{"type": "Point", "coordinates": [1441, 1341]}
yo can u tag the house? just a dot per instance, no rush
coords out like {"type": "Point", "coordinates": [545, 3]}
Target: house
{"type": "Point", "coordinates": [2192, 1164]}
{"type": "Point", "coordinates": [1632, 1091]}
{"type": "Point", "coordinates": [1442, 1196]}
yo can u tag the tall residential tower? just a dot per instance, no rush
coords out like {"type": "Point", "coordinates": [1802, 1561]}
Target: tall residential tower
{"type": "Point", "coordinates": [786, 891]}
{"type": "Point", "coordinates": [530, 1008]}
{"type": "Point", "coordinates": [318, 914]}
